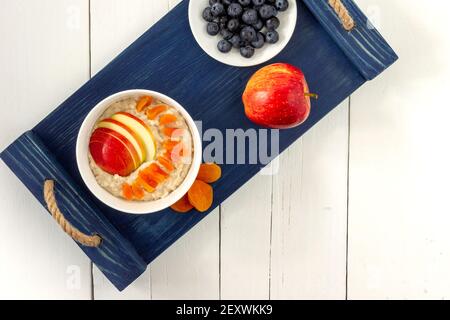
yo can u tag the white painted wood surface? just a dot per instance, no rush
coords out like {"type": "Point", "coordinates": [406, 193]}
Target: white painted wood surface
{"type": "Point", "coordinates": [43, 58]}
{"type": "Point", "coordinates": [399, 216]}
{"type": "Point", "coordinates": [310, 214]}
{"type": "Point", "coordinates": [282, 236]}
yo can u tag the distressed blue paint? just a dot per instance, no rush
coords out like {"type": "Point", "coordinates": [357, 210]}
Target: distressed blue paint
{"type": "Point", "coordinates": [167, 59]}
{"type": "Point", "coordinates": [363, 45]}
{"type": "Point", "coordinates": [33, 163]}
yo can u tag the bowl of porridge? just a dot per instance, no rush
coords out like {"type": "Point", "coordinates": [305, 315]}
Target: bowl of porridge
{"type": "Point", "coordinates": [138, 151]}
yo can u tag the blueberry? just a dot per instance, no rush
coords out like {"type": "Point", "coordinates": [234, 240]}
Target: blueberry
{"type": "Point", "coordinates": [258, 2]}
{"type": "Point", "coordinates": [227, 2]}
{"type": "Point", "coordinates": [223, 21]}
{"type": "Point", "coordinates": [234, 10]}
{"type": "Point", "coordinates": [282, 5]}
{"type": "Point", "coordinates": [247, 51]}
{"type": "Point", "coordinates": [259, 42]}
{"type": "Point", "coordinates": [226, 34]}
{"type": "Point", "coordinates": [224, 46]}
{"type": "Point", "coordinates": [250, 16]}
{"type": "Point", "coordinates": [207, 15]}
{"type": "Point", "coordinates": [235, 41]}
{"type": "Point", "coordinates": [272, 23]}
{"type": "Point", "coordinates": [211, 2]}
{"type": "Point", "coordinates": [248, 34]}
{"type": "Point", "coordinates": [233, 25]}
{"type": "Point", "coordinates": [217, 9]}
{"type": "Point", "coordinates": [258, 25]}
{"type": "Point", "coordinates": [267, 11]}
{"type": "Point", "coordinates": [245, 2]}
{"type": "Point", "coordinates": [272, 36]}
{"type": "Point", "coordinates": [212, 28]}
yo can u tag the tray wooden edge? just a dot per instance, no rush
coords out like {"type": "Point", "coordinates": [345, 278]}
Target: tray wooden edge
{"type": "Point", "coordinates": [33, 163]}
{"type": "Point", "coordinates": [364, 46]}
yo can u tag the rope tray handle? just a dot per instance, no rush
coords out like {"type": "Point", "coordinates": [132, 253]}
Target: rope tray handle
{"type": "Point", "coordinates": [343, 14]}
{"type": "Point", "coordinates": [77, 235]}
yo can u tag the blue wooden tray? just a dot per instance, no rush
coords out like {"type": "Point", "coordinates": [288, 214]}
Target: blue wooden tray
{"type": "Point", "coordinates": [167, 59]}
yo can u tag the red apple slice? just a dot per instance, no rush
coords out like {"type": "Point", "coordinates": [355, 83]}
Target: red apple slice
{"type": "Point", "coordinates": [141, 130]}
{"type": "Point", "coordinates": [112, 152]}
{"type": "Point", "coordinates": [129, 134]}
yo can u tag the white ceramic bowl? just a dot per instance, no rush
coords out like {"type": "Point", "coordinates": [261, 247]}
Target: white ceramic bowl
{"type": "Point", "coordinates": [134, 207]}
{"type": "Point", "coordinates": [208, 43]}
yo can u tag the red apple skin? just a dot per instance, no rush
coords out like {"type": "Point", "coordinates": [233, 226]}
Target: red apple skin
{"type": "Point", "coordinates": [112, 152]}
{"type": "Point", "coordinates": [275, 97]}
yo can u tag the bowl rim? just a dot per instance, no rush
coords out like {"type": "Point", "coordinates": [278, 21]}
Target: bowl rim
{"type": "Point", "coordinates": [194, 13]}
{"type": "Point", "coordinates": [122, 205]}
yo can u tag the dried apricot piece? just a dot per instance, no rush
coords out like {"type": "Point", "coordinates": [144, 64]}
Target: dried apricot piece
{"type": "Point", "coordinates": [138, 191]}
{"type": "Point", "coordinates": [166, 163]}
{"type": "Point", "coordinates": [200, 195]}
{"type": "Point", "coordinates": [152, 183]}
{"type": "Point", "coordinates": [172, 132]}
{"type": "Point", "coordinates": [170, 145]}
{"type": "Point", "coordinates": [155, 111]}
{"type": "Point", "coordinates": [209, 172]}
{"type": "Point", "coordinates": [155, 168]}
{"type": "Point", "coordinates": [146, 185]}
{"type": "Point", "coordinates": [154, 173]}
{"type": "Point", "coordinates": [183, 205]}
{"type": "Point", "coordinates": [167, 118]}
{"type": "Point", "coordinates": [127, 191]}
{"type": "Point", "coordinates": [143, 103]}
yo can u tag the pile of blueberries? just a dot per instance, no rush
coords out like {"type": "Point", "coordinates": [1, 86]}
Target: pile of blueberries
{"type": "Point", "coordinates": [244, 24]}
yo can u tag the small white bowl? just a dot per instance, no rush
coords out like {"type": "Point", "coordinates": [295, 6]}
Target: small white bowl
{"type": "Point", "coordinates": [134, 207]}
{"type": "Point", "coordinates": [208, 43]}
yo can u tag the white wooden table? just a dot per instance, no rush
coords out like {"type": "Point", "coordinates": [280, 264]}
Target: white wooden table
{"type": "Point", "coordinates": [359, 209]}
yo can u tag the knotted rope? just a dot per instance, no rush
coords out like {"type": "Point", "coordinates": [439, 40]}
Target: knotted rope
{"type": "Point", "coordinates": [343, 14]}
{"type": "Point", "coordinates": [77, 235]}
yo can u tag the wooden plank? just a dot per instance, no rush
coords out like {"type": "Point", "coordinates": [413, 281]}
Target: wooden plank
{"type": "Point", "coordinates": [245, 241]}
{"type": "Point", "coordinates": [130, 19]}
{"type": "Point", "coordinates": [398, 215]}
{"type": "Point", "coordinates": [198, 252]}
{"type": "Point", "coordinates": [37, 164]}
{"type": "Point", "coordinates": [114, 25]}
{"type": "Point", "coordinates": [308, 255]}
{"type": "Point", "coordinates": [363, 45]}
{"type": "Point", "coordinates": [38, 261]}
{"type": "Point", "coordinates": [190, 268]}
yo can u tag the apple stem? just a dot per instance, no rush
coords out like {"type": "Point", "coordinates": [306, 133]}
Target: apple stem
{"type": "Point", "coordinates": [312, 95]}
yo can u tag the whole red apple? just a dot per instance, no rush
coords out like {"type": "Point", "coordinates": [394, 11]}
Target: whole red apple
{"type": "Point", "coordinates": [277, 96]}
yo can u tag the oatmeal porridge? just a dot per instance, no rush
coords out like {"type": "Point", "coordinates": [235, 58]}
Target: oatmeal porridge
{"type": "Point", "coordinates": [140, 149]}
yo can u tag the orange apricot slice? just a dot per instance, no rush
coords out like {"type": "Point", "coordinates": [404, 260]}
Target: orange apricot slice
{"type": "Point", "coordinates": [209, 172]}
{"type": "Point", "coordinates": [183, 205]}
{"type": "Point", "coordinates": [166, 163]}
{"type": "Point", "coordinates": [146, 185]}
{"type": "Point", "coordinates": [143, 103]}
{"type": "Point", "coordinates": [170, 145]}
{"type": "Point", "coordinates": [200, 195]}
{"type": "Point", "coordinates": [167, 118]}
{"type": "Point", "coordinates": [145, 177]}
{"type": "Point", "coordinates": [138, 191]}
{"type": "Point", "coordinates": [154, 167]}
{"type": "Point", "coordinates": [127, 191]}
{"type": "Point", "coordinates": [152, 173]}
{"type": "Point", "coordinates": [155, 111]}
{"type": "Point", "coordinates": [172, 132]}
